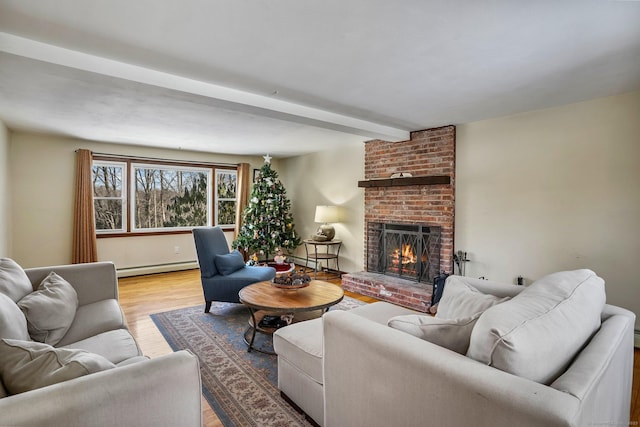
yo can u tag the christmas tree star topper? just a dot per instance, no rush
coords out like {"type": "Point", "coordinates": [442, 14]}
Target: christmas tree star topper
{"type": "Point", "coordinates": [267, 158]}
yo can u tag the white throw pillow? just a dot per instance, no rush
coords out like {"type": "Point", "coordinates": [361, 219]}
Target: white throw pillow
{"type": "Point", "coordinates": [539, 332]}
{"type": "Point", "coordinates": [460, 299]}
{"type": "Point", "coordinates": [460, 307]}
{"type": "Point", "coordinates": [14, 282]}
{"type": "Point", "coordinates": [28, 365]}
{"type": "Point", "coordinates": [448, 333]}
{"type": "Point", "coordinates": [50, 309]}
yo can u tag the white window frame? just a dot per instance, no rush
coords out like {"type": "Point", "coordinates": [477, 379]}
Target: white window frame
{"type": "Point", "coordinates": [217, 199]}
{"type": "Point", "coordinates": [123, 193]}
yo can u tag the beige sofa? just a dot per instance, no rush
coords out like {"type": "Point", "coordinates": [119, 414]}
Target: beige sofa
{"type": "Point", "coordinates": [110, 383]}
{"type": "Point", "coordinates": [351, 368]}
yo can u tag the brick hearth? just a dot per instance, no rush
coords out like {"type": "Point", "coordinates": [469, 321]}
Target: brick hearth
{"type": "Point", "coordinates": [429, 152]}
{"type": "Point", "coordinates": [395, 290]}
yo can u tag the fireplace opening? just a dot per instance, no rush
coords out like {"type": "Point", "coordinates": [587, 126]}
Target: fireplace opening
{"type": "Point", "coordinates": [410, 251]}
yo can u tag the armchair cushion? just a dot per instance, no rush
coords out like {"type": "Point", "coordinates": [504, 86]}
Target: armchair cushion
{"type": "Point", "coordinates": [50, 309]}
{"type": "Point", "coordinates": [28, 365]}
{"type": "Point", "coordinates": [93, 319]}
{"type": "Point", "coordinates": [522, 336]}
{"type": "Point", "coordinates": [116, 346]}
{"type": "Point", "coordinates": [14, 282]}
{"type": "Point", "coordinates": [229, 263]}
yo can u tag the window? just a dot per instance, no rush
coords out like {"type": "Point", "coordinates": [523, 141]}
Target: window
{"type": "Point", "coordinates": [131, 196]}
{"type": "Point", "coordinates": [169, 197]}
{"type": "Point", "coordinates": [109, 197]}
{"type": "Point", "coordinates": [226, 183]}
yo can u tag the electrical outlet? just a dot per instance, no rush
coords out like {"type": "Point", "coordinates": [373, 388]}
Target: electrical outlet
{"type": "Point", "coordinates": [176, 249]}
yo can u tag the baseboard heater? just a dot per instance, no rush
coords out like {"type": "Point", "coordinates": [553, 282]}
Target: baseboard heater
{"type": "Point", "coordinates": [302, 261]}
{"type": "Point", "coordinates": [160, 268]}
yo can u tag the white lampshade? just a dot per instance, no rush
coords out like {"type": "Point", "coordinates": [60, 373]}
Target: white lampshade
{"type": "Point", "coordinates": [327, 214]}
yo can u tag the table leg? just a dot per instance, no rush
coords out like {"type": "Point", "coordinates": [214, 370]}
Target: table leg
{"type": "Point", "coordinates": [253, 331]}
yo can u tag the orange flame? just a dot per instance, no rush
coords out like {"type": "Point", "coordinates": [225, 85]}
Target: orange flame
{"type": "Point", "coordinates": [405, 254]}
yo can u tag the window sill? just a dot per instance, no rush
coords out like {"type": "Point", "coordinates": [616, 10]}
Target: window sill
{"type": "Point", "coordinates": [149, 233]}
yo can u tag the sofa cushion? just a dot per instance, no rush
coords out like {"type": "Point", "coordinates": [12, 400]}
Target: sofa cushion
{"type": "Point", "coordinates": [229, 263]}
{"type": "Point", "coordinates": [50, 309]}
{"type": "Point", "coordinates": [28, 365]}
{"type": "Point", "coordinates": [12, 321]}
{"type": "Point", "coordinates": [461, 300]}
{"type": "Point", "coordinates": [453, 334]}
{"type": "Point", "coordinates": [537, 333]}
{"type": "Point", "coordinates": [14, 282]}
{"type": "Point", "coordinates": [301, 345]}
{"type": "Point", "coordinates": [93, 319]}
{"type": "Point", "coordinates": [115, 346]}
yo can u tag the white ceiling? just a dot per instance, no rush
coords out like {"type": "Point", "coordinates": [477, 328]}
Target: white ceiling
{"type": "Point", "coordinates": [289, 77]}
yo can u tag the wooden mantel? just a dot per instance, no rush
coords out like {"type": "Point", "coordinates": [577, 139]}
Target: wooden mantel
{"type": "Point", "coordinates": [400, 182]}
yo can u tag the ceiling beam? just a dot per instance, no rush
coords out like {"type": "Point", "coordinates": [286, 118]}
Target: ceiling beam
{"type": "Point", "coordinates": [231, 98]}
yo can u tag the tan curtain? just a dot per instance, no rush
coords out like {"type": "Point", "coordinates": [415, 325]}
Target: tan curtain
{"type": "Point", "coordinates": [243, 193]}
{"type": "Point", "coordinates": [84, 226]}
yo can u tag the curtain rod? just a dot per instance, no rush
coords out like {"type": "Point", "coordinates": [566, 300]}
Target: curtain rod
{"type": "Point", "coordinates": [123, 156]}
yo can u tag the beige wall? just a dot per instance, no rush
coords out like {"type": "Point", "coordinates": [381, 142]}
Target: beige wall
{"type": "Point", "coordinates": [5, 195]}
{"type": "Point", "coordinates": [552, 190]}
{"type": "Point", "coordinates": [42, 179]}
{"type": "Point", "coordinates": [535, 193]}
{"type": "Point", "coordinates": [329, 178]}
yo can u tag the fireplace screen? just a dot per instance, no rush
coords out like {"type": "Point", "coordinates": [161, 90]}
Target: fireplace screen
{"type": "Point", "coordinates": [409, 251]}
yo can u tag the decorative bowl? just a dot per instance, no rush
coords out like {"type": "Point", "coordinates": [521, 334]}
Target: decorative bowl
{"type": "Point", "coordinates": [290, 287]}
{"type": "Point", "coordinates": [291, 281]}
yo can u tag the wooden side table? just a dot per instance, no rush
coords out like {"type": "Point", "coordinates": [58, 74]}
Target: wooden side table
{"type": "Point", "coordinates": [327, 255]}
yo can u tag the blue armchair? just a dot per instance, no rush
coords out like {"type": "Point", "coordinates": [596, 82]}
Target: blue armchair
{"type": "Point", "coordinates": [223, 273]}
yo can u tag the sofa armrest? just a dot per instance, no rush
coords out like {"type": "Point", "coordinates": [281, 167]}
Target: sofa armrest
{"type": "Point", "coordinates": [378, 376]}
{"type": "Point", "coordinates": [161, 391]}
{"type": "Point", "coordinates": [93, 282]}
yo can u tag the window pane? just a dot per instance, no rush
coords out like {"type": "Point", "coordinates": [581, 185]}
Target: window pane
{"type": "Point", "coordinates": [170, 198]}
{"type": "Point", "coordinates": [108, 214]}
{"type": "Point", "coordinates": [226, 212]}
{"type": "Point", "coordinates": [107, 181]}
{"type": "Point", "coordinates": [226, 185]}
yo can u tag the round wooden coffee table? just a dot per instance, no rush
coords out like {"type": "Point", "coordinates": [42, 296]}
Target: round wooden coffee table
{"type": "Point", "coordinates": [264, 299]}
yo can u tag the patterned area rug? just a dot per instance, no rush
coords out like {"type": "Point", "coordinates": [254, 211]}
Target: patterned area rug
{"type": "Point", "coordinates": [241, 387]}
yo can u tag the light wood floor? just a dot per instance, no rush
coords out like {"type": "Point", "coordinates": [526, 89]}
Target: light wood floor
{"type": "Point", "coordinates": [143, 295]}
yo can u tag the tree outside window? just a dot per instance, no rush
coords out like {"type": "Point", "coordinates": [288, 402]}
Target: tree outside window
{"type": "Point", "coordinates": [109, 196]}
{"type": "Point", "coordinates": [226, 187]}
{"type": "Point", "coordinates": [169, 198]}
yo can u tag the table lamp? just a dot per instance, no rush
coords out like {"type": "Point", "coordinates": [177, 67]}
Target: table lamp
{"type": "Point", "coordinates": [325, 215]}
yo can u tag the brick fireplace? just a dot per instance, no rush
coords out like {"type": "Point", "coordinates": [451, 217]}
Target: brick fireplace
{"type": "Point", "coordinates": [409, 183]}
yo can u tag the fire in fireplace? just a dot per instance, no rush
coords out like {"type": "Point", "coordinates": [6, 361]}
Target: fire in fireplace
{"type": "Point", "coordinates": [410, 251]}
